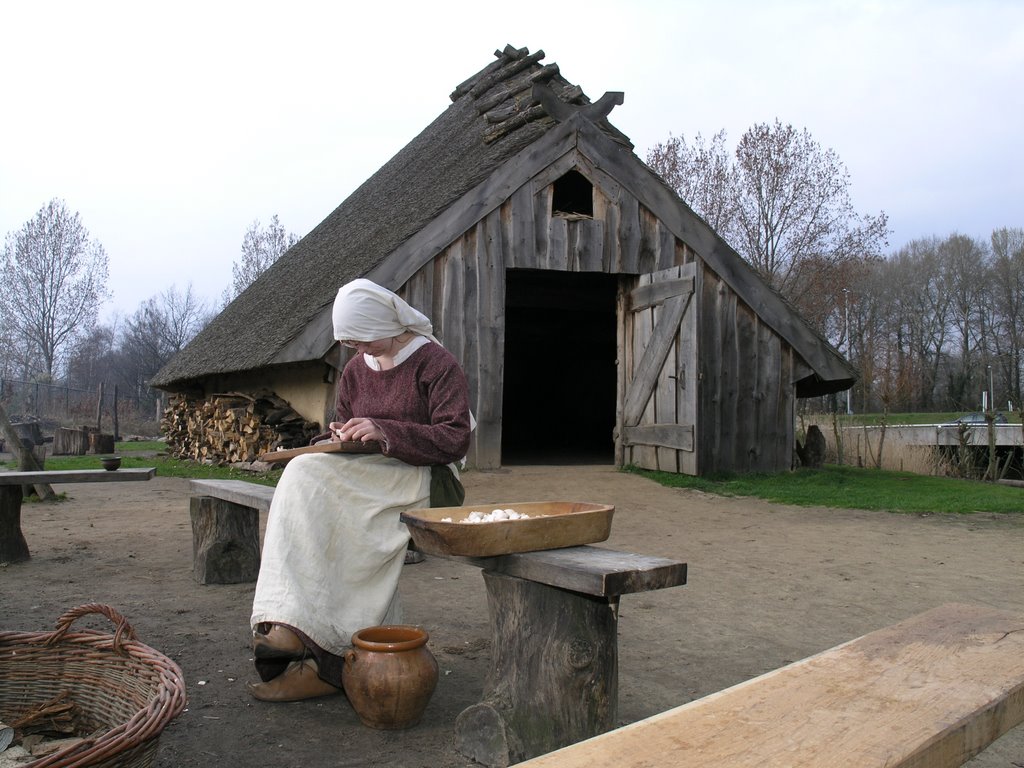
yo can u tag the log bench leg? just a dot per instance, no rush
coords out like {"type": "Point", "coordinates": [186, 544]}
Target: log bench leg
{"type": "Point", "coordinates": [554, 672]}
{"type": "Point", "coordinates": [13, 547]}
{"type": "Point", "coordinates": [225, 541]}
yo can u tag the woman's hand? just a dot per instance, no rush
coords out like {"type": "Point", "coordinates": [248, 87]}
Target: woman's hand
{"type": "Point", "coordinates": [360, 428]}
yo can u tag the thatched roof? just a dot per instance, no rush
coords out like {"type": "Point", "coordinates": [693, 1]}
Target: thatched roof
{"type": "Point", "coordinates": [484, 126]}
{"type": "Point", "coordinates": [284, 316]}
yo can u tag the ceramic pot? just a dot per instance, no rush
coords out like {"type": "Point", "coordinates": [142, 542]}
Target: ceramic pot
{"type": "Point", "coordinates": [111, 463]}
{"type": "Point", "coordinates": [389, 675]}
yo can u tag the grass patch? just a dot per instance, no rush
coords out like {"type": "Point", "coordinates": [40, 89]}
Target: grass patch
{"type": "Point", "coordinates": [140, 446]}
{"type": "Point", "coordinates": [854, 488]}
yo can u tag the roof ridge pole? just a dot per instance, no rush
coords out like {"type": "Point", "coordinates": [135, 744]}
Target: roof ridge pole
{"type": "Point", "coordinates": [501, 58]}
{"type": "Point", "coordinates": [515, 86]}
{"type": "Point", "coordinates": [513, 68]}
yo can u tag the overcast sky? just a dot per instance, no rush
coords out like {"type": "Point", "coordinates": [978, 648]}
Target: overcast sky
{"type": "Point", "coordinates": [170, 128]}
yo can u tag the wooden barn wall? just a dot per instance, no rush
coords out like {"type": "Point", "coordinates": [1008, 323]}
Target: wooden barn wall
{"type": "Point", "coordinates": [746, 398]}
{"type": "Point", "coordinates": [747, 401]}
{"type": "Point", "coordinates": [463, 287]}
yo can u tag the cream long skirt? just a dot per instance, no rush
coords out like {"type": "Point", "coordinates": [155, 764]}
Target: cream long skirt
{"type": "Point", "coordinates": [335, 545]}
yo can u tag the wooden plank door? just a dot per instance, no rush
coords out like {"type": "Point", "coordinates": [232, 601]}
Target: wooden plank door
{"type": "Point", "coordinates": [658, 372]}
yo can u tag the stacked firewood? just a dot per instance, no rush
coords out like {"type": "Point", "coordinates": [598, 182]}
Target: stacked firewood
{"type": "Point", "coordinates": [232, 427]}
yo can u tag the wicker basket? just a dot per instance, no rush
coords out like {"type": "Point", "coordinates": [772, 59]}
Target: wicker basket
{"type": "Point", "coordinates": [119, 686]}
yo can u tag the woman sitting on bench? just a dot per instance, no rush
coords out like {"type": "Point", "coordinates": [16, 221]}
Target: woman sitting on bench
{"type": "Point", "coordinates": [334, 544]}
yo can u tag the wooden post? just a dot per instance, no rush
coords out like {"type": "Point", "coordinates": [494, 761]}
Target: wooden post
{"type": "Point", "coordinates": [13, 547]}
{"type": "Point", "coordinates": [117, 431]}
{"type": "Point", "coordinates": [225, 541]}
{"type": "Point", "coordinates": [573, 660]}
{"type": "Point", "coordinates": [13, 440]}
{"type": "Point", "coordinates": [991, 473]}
{"type": "Point", "coordinates": [28, 461]}
{"type": "Point", "coordinates": [99, 409]}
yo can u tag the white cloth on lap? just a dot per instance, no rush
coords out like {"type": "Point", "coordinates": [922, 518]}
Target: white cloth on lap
{"type": "Point", "coordinates": [334, 545]}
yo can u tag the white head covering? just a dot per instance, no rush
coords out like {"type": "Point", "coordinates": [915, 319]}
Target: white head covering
{"type": "Point", "coordinates": [364, 311]}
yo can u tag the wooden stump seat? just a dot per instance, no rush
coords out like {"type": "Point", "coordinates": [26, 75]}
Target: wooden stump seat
{"type": "Point", "coordinates": [929, 692]}
{"type": "Point", "coordinates": [553, 678]}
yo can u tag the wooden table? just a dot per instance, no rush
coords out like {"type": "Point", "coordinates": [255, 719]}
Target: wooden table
{"type": "Point", "coordinates": [13, 547]}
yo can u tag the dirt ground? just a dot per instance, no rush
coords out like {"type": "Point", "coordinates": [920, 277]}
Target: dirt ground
{"type": "Point", "coordinates": [768, 584]}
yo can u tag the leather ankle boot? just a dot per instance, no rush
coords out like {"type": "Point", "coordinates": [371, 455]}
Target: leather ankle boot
{"type": "Point", "coordinates": [300, 681]}
{"type": "Point", "coordinates": [278, 643]}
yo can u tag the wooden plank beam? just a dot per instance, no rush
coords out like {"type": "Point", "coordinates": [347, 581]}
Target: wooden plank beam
{"type": "Point", "coordinates": [933, 690]}
{"type": "Point", "coordinates": [677, 436]}
{"type": "Point", "coordinates": [76, 476]}
{"type": "Point", "coordinates": [240, 492]}
{"type": "Point", "coordinates": [591, 570]}
{"type": "Point", "coordinates": [646, 296]}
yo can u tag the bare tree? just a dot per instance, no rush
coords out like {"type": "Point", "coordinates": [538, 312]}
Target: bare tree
{"type": "Point", "coordinates": [55, 279]}
{"type": "Point", "coordinates": [185, 314]}
{"type": "Point", "coordinates": [794, 206]}
{"type": "Point", "coordinates": [92, 361]}
{"type": "Point", "coordinates": [919, 320]}
{"type": "Point", "coordinates": [926, 324]}
{"type": "Point", "coordinates": [963, 262]}
{"type": "Point", "coordinates": [787, 208]}
{"type": "Point", "coordinates": [898, 313]}
{"type": "Point", "coordinates": [158, 330]}
{"type": "Point", "coordinates": [1007, 288]}
{"type": "Point", "coordinates": [15, 359]}
{"type": "Point", "coordinates": [260, 249]}
{"type": "Point", "coordinates": [701, 174]}
{"type": "Point", "coordinates": [142, 349]}
{"type": "Point", "coordinates": [860, 331]}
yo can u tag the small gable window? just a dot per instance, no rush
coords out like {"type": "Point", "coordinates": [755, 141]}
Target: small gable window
{"type": "Point", "coordinates": [573, 195]}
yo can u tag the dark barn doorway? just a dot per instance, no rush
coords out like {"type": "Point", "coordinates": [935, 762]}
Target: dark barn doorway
{"type": "Point", "coordinates": [560, 376]}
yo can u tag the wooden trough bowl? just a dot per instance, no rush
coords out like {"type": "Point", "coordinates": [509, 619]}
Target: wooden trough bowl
{"type": "Point", "coordinates": [550, 525]}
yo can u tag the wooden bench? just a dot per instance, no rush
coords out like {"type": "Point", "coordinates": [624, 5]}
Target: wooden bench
{"type": "Point", "coordinates": [931, 691]}
{"type": "Point", "coordinates": [553, 678]}
{"type": "Point", "coordinates": [13, 547]}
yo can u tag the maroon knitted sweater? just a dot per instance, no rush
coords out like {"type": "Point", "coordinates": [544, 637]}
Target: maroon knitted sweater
{"type": "Point", "coordinates": [421, 406]}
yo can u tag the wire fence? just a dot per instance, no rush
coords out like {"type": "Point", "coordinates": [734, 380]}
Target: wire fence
{"type": "Point", "coordinates": [104, 407]}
